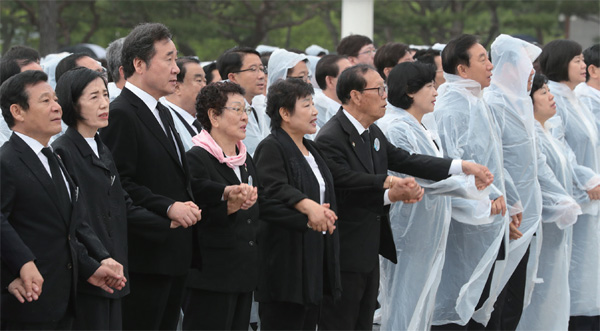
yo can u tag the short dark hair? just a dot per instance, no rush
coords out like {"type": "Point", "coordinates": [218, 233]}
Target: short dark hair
{"type": "Point", "coordinates": [208, 69]}
{"type": "Point", "coordinates": [113, 59]}
{"type": "Point", "coordinates": [538, 82]}
{"type": "Point", "coordinates": [22, 54]}
{"type": "Point", "coordinates": [140, 44]}
{"type": "Point", "coordinates": [69, 89]}
{"type": "Point", "coordinates": [351, 79]}
{"type": "Point", "coordinates": [67, 64]}
{"type": "Point", "coordinates": [8, 68]}
{"type": "Point", "coordinates": [181, 62]}
{"type": "Point", "coordinates": [591, 56]}
{"type": "Point", "coordinates": [555, 58]}
{"type": "Point", "coordinates": [13, 91]}
{"type": "Point", "coordinates": [327, 66]}
{"type": "Point", "coordinates": [214, 96]}
{"type": "Point", "coordinates": [351, 45]}
{"type": "Point", "coordinates": [231, 61]}
{"type": "Point", "coordinates": [285, 93]}
{"type": "Point", "coordinates": [426, 55]}
{"type": "Point", "coordinates": [457, 52]}
{"type": "Point", "coordinates": [408, 77]}
{"type": "Point", "coordinates": [388, 56]}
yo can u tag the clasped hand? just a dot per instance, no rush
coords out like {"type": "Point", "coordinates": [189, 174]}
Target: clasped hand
{"type": "Point", "coordinates": [183, 214]}
{"type": "Point", "coordinates": [483, 176]}
{"type": "Point", "coordinates": [405, 189]}
{"type": "Point", "coordinates": [242, 196]}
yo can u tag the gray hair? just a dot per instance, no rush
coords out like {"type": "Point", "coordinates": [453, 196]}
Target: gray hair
{"type": "Point", "coordinates": [113, 58]}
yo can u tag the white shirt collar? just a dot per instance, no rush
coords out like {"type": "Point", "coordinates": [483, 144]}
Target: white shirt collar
{"type": "Point", "coordinates": [35, 145]}
{"type": "Point", "coordinates": [355, 122]}
{"type": "Point", "coordinates": [143, 95]}
{"type": "Point", "coordinates": [186, 116]}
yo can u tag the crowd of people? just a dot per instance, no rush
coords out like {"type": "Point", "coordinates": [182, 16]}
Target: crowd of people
{"type": "Point", "coordinates": [443, 190]}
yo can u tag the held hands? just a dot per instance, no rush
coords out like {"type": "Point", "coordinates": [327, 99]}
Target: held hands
{"type": "Point", "coordinates": [183, 214]}
{"type": "Point", "coordinates": [594, 193]}
{"type": "Point", "coordinates": [238, 197]}
{"type": "Point", "coordinates": [483, 176]}
{"type": "Point", "coordinates": [498, 206]}
{"type": "Point", "coordinates": [321, 218]}
{"type": "Point", "coordinates": [514, 225]}
{"type": "Point", "coordinates": [117, 268]}
{"type": "Point", "coordinates": [105, 278]}
{"type": "Point", "coordinates": [404, 189]}
{"type": "Point", "coordinates": [29, 285]}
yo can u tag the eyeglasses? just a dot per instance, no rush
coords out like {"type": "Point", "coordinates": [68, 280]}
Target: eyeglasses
{"type": "Point", "coordinates": [374, 50]}
{"type": "Point", "coordinates": [381, 90]}
{"type": "Point", "coordinates": [253, 70]}
{"type": "Point", "coordinates": [240, 111]}
{"type": "Point", "coordinates": [303, 77]}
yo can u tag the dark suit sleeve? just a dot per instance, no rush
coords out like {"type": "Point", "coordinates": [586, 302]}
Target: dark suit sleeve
{"type": "Point", "coordinates": [121, 138]}
{"type": "Point", "coordinates": [345, 178]}
{"type": "Point", "coordinates": [271, 167]}
{"type": "Point", "coordinates": [140, 221]}
{"type": "Point", "coordinates": [276, 212]}
{"type": "Point", "coordinates": [418, 165]}
{"type": "Point", "coordinates": [206, 192]}
{"type": "Point", "coordinates": [13, 250]}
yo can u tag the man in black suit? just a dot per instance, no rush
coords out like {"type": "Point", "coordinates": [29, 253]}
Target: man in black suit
{"type": "Point", "coordinates": [42, 225]}
{"type": "Point", "coordinates": [151, 161]}
{"type": "Point", "coordinates": [359, 155]}
{"type": "Point", "coordinates": [190, 80]}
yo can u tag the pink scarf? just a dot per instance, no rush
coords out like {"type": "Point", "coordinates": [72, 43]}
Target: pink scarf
{"type": "Point", "coordinates": [206, 141]}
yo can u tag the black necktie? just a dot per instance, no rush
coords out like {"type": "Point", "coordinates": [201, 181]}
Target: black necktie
{"type": "Point", "coordinates": [436, 145]}
{"type": "Point", "coordinates": [197, 125]}
{"type": "Point", "coordinates": [255, 114]}
{"type": "Point", "coordinates": [57, 178]}
{"type": "Point", "coordinates": [367, 139]}
{"type": "Point", "coordinates": [163, 112]}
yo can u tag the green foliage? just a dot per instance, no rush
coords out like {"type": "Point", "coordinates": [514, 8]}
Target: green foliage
{"type": "Point", "coordinates": [207, 28]}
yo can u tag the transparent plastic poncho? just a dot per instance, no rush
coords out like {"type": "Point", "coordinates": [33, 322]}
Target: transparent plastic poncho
{"type": "Point", "coordinates": [549, 307]}
{"type": "Point", "coordinates": [420, 231]}
{"type": "Point", "coordinates": [467, 131]}
{"type": "Point", "coordinates": [590, 97]}
{"type": "Point", "coordinates": [508, 98]}
{"type": "Point", "coordinates": [578, 129]}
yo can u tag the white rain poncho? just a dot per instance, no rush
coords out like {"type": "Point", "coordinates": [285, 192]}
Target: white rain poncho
{"type": "Point", "coordinates": [468, 131]}
{"type": "Point", "coordinates": [258, 126]}
{"type": "Point", "coordinates": [326, 106]}
{"type": "Point", "coordinates": [280, 62]}
{"type": "Point", "coordinates": [511, 105]}
{"type": "Point", "coordinates": [577, 127]}
{"type": "Point", "coordinates": [420, 230]}
{"type": "Point", "coordinates": [590, 97]}
{"type": "Point", "coordinates": [549, 307]}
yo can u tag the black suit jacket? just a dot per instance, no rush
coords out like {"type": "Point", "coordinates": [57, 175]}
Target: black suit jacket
{"type": "Point", "coordinates": [109, 209]}
{"type": "Point", "coordinates": [44, 232]}
{"type": "Point", "coordinates": [155, 178]}
{"type": "Point", "coordinates": [298, 264]}
{"type": "Point", "coordinates": [363, 221]}
{"type": "Point", "coordinates": [185, 123]}
{"type": "Point", "coordinates": [227, 243]}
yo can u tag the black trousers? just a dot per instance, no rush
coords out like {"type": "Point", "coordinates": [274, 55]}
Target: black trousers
{"type": "Point", "coordinates": [154, 302]}
{"type": "Point", "coordinates": [354, 311]}
{"type": "Point", "coordinates": [208, 310]}
{"type": "Point", "coordinates": [288, 316]}
{"type": "Point", "coordinates": [65, 323]}
{"type": "Point", "coordinates": [98, 313]}
{"type": "Point", "coordinates": [509, 304]}
{"type": "Point", "coordinates": [584, 323]}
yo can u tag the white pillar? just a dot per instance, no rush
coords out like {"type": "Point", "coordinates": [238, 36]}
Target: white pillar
{"type": "Point", "coordinates": [357, 17]}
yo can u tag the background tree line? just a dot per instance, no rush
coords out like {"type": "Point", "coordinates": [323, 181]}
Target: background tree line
{"type": "Point", "coordinates": [206, 28]}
